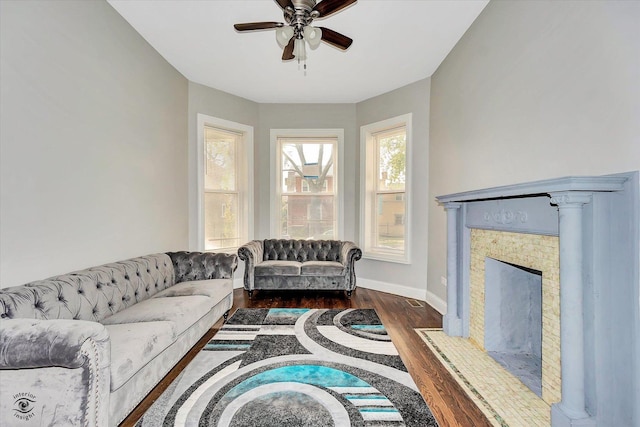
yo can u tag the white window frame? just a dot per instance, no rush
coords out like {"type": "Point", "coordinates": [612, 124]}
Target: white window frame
{"type": "Point", "coordinates": [367, 190]}
{"type": "Point", "coordinates": [244, 176]}
{"type": "Point", "coordinates": [276, 188]}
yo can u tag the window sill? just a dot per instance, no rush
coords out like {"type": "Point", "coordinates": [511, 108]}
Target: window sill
{"type": "Point", "coordinates": [222, 250]}
{"type": "Point", "coordinates": [377, 256]}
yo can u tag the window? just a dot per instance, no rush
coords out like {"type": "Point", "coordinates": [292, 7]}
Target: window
{"type": "Point", "coordinates": [385, 189]}
{"type": "Point", "coordinates": [307, 202]}
{"type": "Point", "coordinates": [307, 189]}
{"type": "Point", "coordinates": [225, 196]}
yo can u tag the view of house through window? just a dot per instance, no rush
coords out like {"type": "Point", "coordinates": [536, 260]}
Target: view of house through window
{"type": "Point", "coordinates": [307, 193]}
{"type": "Point", "coordinates": [385, 197]}
{"type": "Point", "coordinates": [389, 188]}
{"type": "Point", "coordinates": [221, 196]}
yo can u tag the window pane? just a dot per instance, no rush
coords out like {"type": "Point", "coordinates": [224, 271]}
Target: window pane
{"type": "Point", "coordinates": [221, 221]}
{"type": "Point", "coordinates": [391, 161]}
{"type": "Point", "coordinates": [307, 167]}
{"type": "Point", "coordinates": [307, 217]}
{"type": "Point", "coordinates": [390, 221]}
{"type": "Point", "coordinates": [220, 160]}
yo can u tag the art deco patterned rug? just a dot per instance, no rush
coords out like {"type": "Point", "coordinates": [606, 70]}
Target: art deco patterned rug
{"type": "Point", "coordinates": [294, 367]}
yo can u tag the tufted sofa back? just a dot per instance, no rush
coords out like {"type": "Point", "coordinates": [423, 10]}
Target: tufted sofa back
{"type": "Point", "coordinates": [302, 250]}
{"type": "Point", "coordinates": [92, 294]}
{"type": "Point", "coordinates": [203, 265]}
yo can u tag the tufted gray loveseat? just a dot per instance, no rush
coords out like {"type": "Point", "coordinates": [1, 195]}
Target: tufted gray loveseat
{"type": "Point", "coordinates": [84, 348]}
{"type": "Point", "coordinates": [299, 264]}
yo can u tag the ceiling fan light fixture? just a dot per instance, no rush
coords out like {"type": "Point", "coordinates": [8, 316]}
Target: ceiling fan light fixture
{"type": "Point", "coordinates": [299, 50]}
{"type": "Point", "coordinates": [283, 35]}
{"type": "Point", "coordinates": [313, 36]}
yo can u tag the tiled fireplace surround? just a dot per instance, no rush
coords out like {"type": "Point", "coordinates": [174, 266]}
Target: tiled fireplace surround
{"type": "Point", "coordinates": [537, 252]}
{"type": "Point", "coordinates": [582, 234]}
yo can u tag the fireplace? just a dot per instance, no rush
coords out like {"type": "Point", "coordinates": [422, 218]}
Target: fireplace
{"type": "Point", "coordinates": [527, 268]}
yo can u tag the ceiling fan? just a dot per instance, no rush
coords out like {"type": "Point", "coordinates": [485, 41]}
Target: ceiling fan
{"type": "Point", "coordinates": [299, 14]}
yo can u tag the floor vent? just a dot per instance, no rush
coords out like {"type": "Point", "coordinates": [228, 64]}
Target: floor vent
{"type": "Point", "coordinates": [414, 303]}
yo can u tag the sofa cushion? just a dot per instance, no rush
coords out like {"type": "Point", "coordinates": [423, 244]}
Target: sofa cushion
{"type": "Point", "coordinates": [133, 345]}
{"type": "Point", "coordinates": [321, 268]}
{"type": "Point", "coordinates": [216, 289]}
{"type": "Point", "coordinates": [278, 268]}
{"type": "Point", "coordinates": [181, 311]}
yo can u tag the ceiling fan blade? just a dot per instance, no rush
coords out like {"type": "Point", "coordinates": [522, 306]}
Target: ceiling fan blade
{"type": "Point", "coordinates": [328, 7]}
{"type": "Point", "coordinates": [336, 39]}
{"type": "Point", "coordinates": [284, 3]}
{"type": "Point", "coordinates": [287, 54]}
{"type": "Point", "coordinates": [250, 26]}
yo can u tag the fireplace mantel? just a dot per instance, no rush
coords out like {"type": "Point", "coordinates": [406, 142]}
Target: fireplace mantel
{"type": "Point", "coordinates": [544, 187]}
{"type": "Point", "coordinates": [596, 221]}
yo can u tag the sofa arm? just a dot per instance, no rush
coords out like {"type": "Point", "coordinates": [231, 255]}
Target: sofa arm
{"type": "Point", "coordinates": [54, 371]}
{"type": "Point", "coordinates": [32, 343]}
{"type": "Point", "coordinates": [251, 253]}
{"type": "Point", "coordinates": [203, 265]}
{"type": "Point", "coordinates": [350, 254]}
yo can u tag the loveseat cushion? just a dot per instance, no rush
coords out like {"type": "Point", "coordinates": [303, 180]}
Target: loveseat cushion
{"type": "Point", "coordinates": [321, 268]}
{"type": "Point", "coordinates": [181, 311]}
{"type": "Point", "coordinates": [133, 345]}
{"type": "Point", "coordinates": [278, 268]}
{"type": "Point", "coordinates": [216, 289]}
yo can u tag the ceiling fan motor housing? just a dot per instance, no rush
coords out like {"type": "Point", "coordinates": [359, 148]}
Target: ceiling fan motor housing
{"type": "Point", "coordinates": [300, 16]}
{"type": "Point", "coordinates": [307, 5]}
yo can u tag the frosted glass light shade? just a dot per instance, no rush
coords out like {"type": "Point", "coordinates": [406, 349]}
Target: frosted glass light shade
{"type": "Point", "coordinates": [283, 35]}
{"type": "Point", "coordinates": [313, 36]}
{"type": "Point", "coordinates": [299, 50]}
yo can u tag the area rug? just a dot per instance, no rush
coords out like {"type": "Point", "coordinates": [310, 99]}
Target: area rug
{"type": "Point", "coordinates": [501, 396]}
{"type": "Point", "coordinates": [294, 367]}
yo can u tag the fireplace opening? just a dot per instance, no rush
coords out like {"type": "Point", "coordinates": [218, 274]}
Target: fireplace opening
{"type": "Point", "coordinates": [513, 320]}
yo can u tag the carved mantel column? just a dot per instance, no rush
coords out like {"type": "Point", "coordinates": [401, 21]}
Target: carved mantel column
{"type": "Point", "coordinates": [571, 410]}
{"type": "Point", "coordinates": [452, 323]}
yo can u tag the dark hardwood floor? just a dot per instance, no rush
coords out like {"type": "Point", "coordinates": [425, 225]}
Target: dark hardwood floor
{"type": "Point", "coordinates": [447, 400]}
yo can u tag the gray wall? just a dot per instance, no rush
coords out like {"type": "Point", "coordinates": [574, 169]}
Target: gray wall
{"type": "Point", "coordinates": [544, 89]}
{"type": "Point", "coordinates": [413, 98]}
{"type": "Point", "coordinates": [533, 90]}
{"type": "Point", "coordinates": [93, 140]}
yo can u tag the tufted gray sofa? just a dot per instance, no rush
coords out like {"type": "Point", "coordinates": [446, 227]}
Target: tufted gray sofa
{"type": "Point", "coordinates": [299, 264]}
{"type": "Point", "coordinates": [84, 348]}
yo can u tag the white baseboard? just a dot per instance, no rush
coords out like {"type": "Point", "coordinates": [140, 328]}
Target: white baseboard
{"type": "Point", "coordinates": [404, 291]}
{"type": "Point", "coordinates": [436, 302]}
{"type": "Point", "coordinates": [390, 288]}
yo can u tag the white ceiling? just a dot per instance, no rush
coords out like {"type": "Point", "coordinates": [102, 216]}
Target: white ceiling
{"type": "Point", "coordinates": [396, 42]}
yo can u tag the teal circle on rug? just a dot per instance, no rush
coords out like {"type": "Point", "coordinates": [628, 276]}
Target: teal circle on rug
{"type": "Point", "coordinates": [306, 374]}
